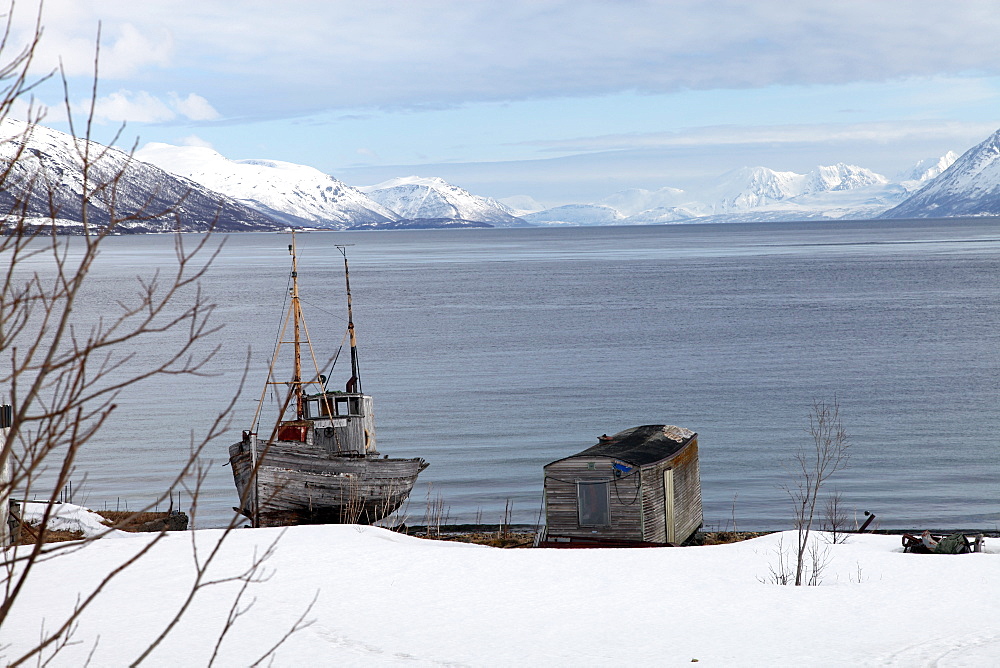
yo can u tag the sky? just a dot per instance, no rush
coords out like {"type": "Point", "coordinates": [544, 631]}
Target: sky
{"type": "Point", "coordinates": [562, 101]}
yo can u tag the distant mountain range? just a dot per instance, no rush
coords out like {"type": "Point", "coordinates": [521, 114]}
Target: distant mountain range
{"type": "Point", "coordinates": [239, 195]}
{"type": "Point", "coordinates": [750, 194]}
{"type": "Point", "coordinates": [303, 196]}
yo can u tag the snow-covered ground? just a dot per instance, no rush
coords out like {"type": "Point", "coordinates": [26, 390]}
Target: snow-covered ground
{"type": "Point", "coordinates": [388, 599]}
{"type": "Point", "coordinates": [69, 517]}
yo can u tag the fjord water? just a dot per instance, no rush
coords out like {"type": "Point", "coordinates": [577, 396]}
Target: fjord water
{"type": "Point", "coordinates": [492, 352]}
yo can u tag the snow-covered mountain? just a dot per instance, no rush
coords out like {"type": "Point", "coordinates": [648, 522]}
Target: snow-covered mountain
{"type": "Point", "coordinates": [416, 198]}
{"type": "Point", "coordinates": [754, 187]}
{"type": "Point", "coordinates": [576, 214]}
{"type": "Point", "coordinates": [296, 194]}
{"type": "Point", "coordinates": [520, 205]}
{"type": "Point", "coordinates": [969, 187]}
{"type": "Point", "coordinates": [47, 175]}
{"type": "Point", "coordinates": [925, 170]}
{"type": "Point", "coordinates": [841, 177]}
{"type": "Point", "coordinates": [760, 187]}
{"type": "Point", "coordinates": [266, 194]}
{"type": "Point", "coordinates": [748, 194]}
{"type": "Point", "coordinates": [636, 200]}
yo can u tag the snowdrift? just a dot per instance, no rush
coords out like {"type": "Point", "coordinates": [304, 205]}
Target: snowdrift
{"type": "Point", "coordinates": [383, 598]}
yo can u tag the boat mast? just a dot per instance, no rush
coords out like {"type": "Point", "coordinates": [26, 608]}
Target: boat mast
{"type": "Point", "coordinates": [354, 384]}
{"type": "Point", "coordinates": [300, 338]}
{"type": "Point", "coordinates": [297, 344]}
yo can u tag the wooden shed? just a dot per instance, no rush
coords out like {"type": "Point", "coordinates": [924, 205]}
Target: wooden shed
{"type": "Point", "coordinates": [641, 485]}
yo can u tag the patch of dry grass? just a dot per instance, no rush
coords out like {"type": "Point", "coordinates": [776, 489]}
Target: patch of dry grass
{"type": "Point", "coordinates": [527, 539]}
{"type": "Point", "coordinates": [128, 521]}
{"type": "Point", "coordinates": [493, 539]}
{"type": "Point", "coordinates": [724, 537]}
{"type": "Point", "coordinates": [31, 537]}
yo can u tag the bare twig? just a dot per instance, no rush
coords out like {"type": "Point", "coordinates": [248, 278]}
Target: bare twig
{"type": "Point", "coordinates": [826, 454]}
{"type": "Point", "coordinates": [63, 374]}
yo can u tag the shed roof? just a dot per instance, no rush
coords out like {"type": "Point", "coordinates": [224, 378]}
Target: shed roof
{"type": "Point", "coordinates": [641, 445]}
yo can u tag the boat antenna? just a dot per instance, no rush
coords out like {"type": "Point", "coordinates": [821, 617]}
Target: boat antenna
{"type": "Point", "coordinates": [354, 384]}
{"type": "Point", "coordinates": [297, 344]}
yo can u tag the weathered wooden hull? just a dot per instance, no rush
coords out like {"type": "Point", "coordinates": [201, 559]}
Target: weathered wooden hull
{"type": "Point", "coordinates": [301, 484]}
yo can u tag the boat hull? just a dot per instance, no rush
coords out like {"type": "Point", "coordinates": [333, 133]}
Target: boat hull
{"type": "Point", "coordinates": [298, 484]}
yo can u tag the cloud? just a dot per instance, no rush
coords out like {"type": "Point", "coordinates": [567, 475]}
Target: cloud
{"type": "Point", "coordinates": [733, 135]}
{"type": "Point", "coordinates": [69, 38]}
{"type": "Point", "coordinates": [345, 54]}
{"type": "Point", "coordinates": [25, 109]}
{"type": "Point", "coordinates": [129, 50]}
{"type": "Point", "coordinates": [194, 107]}
{"type": "Point", "coordinates": [194, 140]}
{"type": "Point", "coordinates": [144, 107]}
{"type": "Point", "coordinates": [126, 106]}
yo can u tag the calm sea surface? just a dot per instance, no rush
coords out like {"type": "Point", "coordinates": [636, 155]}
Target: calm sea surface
{"type": "Point", "coordinates": [493, 352]}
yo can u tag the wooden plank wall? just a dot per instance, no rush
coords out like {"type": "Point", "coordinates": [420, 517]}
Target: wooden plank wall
{"type": "Point", "coordinates": [687, 495]}
{"type": "Point", "coordinates": [687, 491]}
{"type": "Point", "coordinates": [638, 511]}
{"type": "Point", "coordinates": [561, 509]}
{"type": "Point", "coordinates": [653, 506]}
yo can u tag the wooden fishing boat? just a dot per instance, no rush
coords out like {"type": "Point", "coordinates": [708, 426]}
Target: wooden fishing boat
{"type": "Point", "coordinates": [322, 467]}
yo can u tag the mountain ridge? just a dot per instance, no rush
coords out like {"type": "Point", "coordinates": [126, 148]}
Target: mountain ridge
{"type": "Point", "coordinates": [207, 189]}
{"type": "Point", "coordinates": [969, 187]}
{"type": "Point", "coordinates": [748, 194]}
{"type": "Point", "coordinates": [296, 194]}
{"type": "Point", "coordinates": [46, 182]}
{"type": "Point", "coordinates": [433, 198]}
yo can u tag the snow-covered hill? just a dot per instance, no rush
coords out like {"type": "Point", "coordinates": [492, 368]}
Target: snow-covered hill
{"type": "Point", "coordinates": [521, 205]}
{"type": "Point", "coordinates": [636, 200]}
{"type": "Point", "coordinates": [576, 214]}
{"type": "Point", "coordinates": [416, 198]}
{"type": "Point", "coordinates": [423, 603]}
{"type": "Point", "coordinates": [969, 187]}
{"type": "Point", "coordinates": [48, 173]}
{"type": "Point", "coordinates": [297, 194]}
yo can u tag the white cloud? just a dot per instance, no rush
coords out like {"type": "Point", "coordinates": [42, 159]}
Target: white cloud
{"type": "Point", "coordinates": [343, 53]}
{"type": "Point", "coordinates": [126, 106]}
{"type": "Point", "coordinates": [144, 107]}
{"type": "Point", "coordinates": [194, 107]}
{"type": "Point", "coordinates": [130, 50]}
{"type": "Point", "coordinates": [732, 135]}
{"type": "Point", "coordinates": [69, 37]}
{"type": "Point", "coordinates": [194, 140]}
{"type": "Point", "coordinates": [24, 109]}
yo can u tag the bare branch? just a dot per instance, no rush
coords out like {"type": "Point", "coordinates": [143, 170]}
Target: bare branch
{"type": "Point", "coordinates": [827, 453]}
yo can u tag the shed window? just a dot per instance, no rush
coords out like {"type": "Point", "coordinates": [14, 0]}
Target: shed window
{"type": "Point", "coordinates": [594, 503]}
